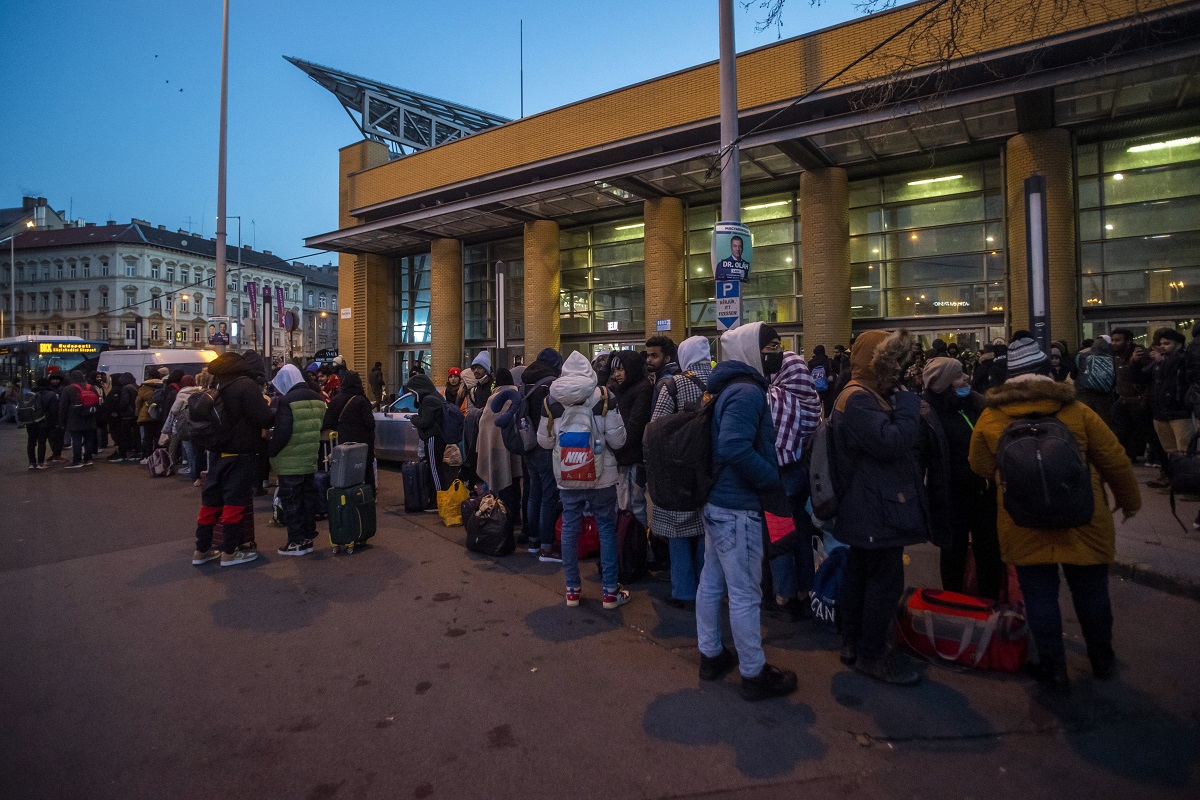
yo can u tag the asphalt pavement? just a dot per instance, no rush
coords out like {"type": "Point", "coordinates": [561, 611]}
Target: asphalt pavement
{"type": "Point", "coordinates": [417, 669]}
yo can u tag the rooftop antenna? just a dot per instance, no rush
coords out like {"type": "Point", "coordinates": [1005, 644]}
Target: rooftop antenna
{"type": "Point", "coordinates": [522, 68]}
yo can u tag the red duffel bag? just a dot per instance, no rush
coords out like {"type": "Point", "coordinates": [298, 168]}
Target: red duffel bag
{"type": "Point", "coordinates": [962, 629]}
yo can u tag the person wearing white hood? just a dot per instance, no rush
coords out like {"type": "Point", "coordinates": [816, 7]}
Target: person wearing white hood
{"type": "Point", "coordinates": [582, 427]}
{"type": "Point", "coordinates": [743, 467]}
{"type": "Point", "coordinates": [295, 441]}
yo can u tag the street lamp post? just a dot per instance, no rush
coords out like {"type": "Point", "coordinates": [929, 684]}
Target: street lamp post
{"type": "Point", "coordinates": [12, 278]}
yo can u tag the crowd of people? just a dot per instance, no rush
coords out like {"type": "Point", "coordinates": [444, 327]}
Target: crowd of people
{"type": "Point", "coordinates": [918, 438]}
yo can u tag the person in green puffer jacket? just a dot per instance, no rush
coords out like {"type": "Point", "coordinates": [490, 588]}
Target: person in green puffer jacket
{"type": "Point", "coordinates": [295, 441]}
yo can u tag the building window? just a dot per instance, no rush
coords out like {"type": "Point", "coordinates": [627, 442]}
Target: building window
{"type": "Point", "coordinates": [170, 274]}
{"type": "Point", "coordinates": [211, 306]}
{"type": "Point", "coordinates": [70, 301]}
{"type": "Point", "coordinates": [45, 329]}
{"type": "Point", "coordinates": [411, 289]}
{"type": "Point", "coordinates": [130, 269]}
{"type": "Point", "coordinates": [184, 275]}
{"type": "Point", "coordinates": [85, 330]}
{"type": "Point", "coordinates": [45, 272]}
{"type": "Point", "coordinates": [21, 273]}
{"type": "Point", "coordinates": [154, 274]}
{"type": "Point", "coordinates": [1139, 220]}
{"type": "Point", "coordinates": [103, 267]}
{"type": "Point", "coordinates": [321, 301]}
{"type": "Point", "coordinates": [84, 300]}
{"type": "Point", "coordinates": [58, 269]}
{"type": "Point", "coordinates": [211, 279]}
{"type": "Point", "coordinates": [196, 334]}
{"type": "Point", "coordinates": [58, 329]}
{"type": "Point", "coordinates": [183, 306]}
{"type": "Point", "coordinates": [58, 302]}
{"type": "Point", "coordinates": [130, 333]}
{"type": "Point", "coordinates": [154, 332]}
{"type": "Point", "coordinates": [479, 292]}
{"type": "Point", "coordinates": [156, 303]}
{"type": "Point", "coordinates": [31, 302]}
{"type": "Point", "coordinates": [130, 298]}
{"type": "Point", "coordinates": [73, 269]}
{"type": "Point", "coordinates": [70, 329]}
{"type": "Point", "coordinates": [87, 268]}
{"type": "Point", "coordinates": [928, 243]}
{"type": "Point", "coordinates": [603, 278]}
{"type": "Point", "coordinates": [311, 299]}
{"type": "Point", "coordinates": [104, 333]}
{"type": "Point", "coordinates": [103, 300]}
{"type": "Point", "coordinates": [772, 292]}
{"type": "Point", "coordinates": [45, 302]}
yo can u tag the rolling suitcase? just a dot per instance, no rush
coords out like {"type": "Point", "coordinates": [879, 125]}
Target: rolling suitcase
{"type": "Point", "coordinates": [418, 491]}
{"type": "Point", "coordinates": [351, 517]}
{"type": "Point", "coordinates": [248, 543]}
{"type": "Point", "coordinates": [348, 465]}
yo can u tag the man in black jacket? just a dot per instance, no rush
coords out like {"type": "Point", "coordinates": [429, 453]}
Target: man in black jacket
{"type": "Point", "coordinates": [229, 486]}
{"type": "Point", "coordinates": [633, 392]}
{"type": "Point", "coordinates": [80, 419]}
{"type": "Point", "coordinates": [541, 500]}
{"type": "Point", "coordinates": [1167, 369]}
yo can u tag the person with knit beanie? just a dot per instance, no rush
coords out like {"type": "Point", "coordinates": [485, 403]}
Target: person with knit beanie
{"type": "Point", "coordinates": [481, 370]}
{"type": "Point", "coordinates": [971, 499]}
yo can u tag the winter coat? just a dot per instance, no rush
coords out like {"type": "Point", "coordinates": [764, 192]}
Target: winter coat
{"type": "Point", "coordinates": [375, 378]}
{"type": "Point", "coordinates": [144, 394]}
{"type": "Point", "coordinates": [1169, 386]}
{"type": "Point", "coordinates": [1093, 543]}
{"type": "Point", "coordinates": [876, 442]}
{"type": "Point", "coordinates": [480, 392]}
{"type": "Point", "coordinates": [429, 419]}
{"type": "Point", "coordinates": [246, 410]}
{"type": "Point", "coordinates": [743, 435]}
{"type": "Point", "coordinates": [352, 418]}
{"type": "Point", "coordinates": [67, 418]}
{"type": "Point", "coordinates": [957, 417]}
{"type": "Point", "coordinates": [1131, 381]}
{"type": "Point", "coordinates": [633, 401]}
{"type": "Point", "coordinates": [535, 373]}
{"type": "Point", "coordinates": [494, 464]}
{"type": "Point", "coordinates": [127, 405]}
{"type": "Point", "coordinates": [296, 437]}
{"type": "Point", "coordinates": [577, 386]}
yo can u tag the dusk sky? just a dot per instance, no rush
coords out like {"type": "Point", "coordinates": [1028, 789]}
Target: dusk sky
{"type": "Point", "coordinates": [111, 107]}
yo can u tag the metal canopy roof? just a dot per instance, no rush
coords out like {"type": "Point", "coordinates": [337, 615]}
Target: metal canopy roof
{"type": "Point", "coordinates": [1099, 93]}
{"type": "Point", "coordinates": [405, 121]}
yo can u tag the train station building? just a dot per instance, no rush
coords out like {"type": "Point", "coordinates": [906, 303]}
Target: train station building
{"type": "Point", "coordinates": [883, 164]}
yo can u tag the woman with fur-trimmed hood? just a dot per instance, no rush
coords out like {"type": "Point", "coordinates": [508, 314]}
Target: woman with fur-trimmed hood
{"type": "Point", "coordinates": [882, 503]}
{"type": "Point", "coordinates": [1085, 552]}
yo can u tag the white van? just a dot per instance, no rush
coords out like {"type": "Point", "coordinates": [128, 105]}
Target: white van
{"type": "Point", "coordinates": [114, 362]}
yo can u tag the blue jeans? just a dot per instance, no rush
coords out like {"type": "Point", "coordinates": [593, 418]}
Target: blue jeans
{"type": "Point", "coordinates": [541, 509]}
{"type": "Point", "coordinates": [1089, 594]}
{"type": "Point", "coordinates": [687, 560]}
{"type": "Point", "coordinates": [733, 545]}
{"type": "Point", "coordinates": [197, 460]}
{"type": "Point", "coordinates": [603, 505]}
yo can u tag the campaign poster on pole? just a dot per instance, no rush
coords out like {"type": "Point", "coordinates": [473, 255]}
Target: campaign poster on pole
{"type": "Point", "coordinates": [252, 295]}
{"type": "Point", "coordinates": [279, 307]}
{"type": "Point", "coordinates": [218, 330]}
{"type": "Point", "coordinates": [732, 251]}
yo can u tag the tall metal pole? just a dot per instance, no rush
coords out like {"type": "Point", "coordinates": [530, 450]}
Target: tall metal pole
{"type": "Point", "coordinates": [12, 284]}
{"type": "Point", "coordinates": [522, 69]}
{"type": "Point", "coordinates": [222, 279]}
{"type": "Point", "coordinates": [731, 168]}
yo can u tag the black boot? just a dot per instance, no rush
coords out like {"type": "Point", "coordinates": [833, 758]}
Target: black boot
{"type": "Point", "coordinates": [1051, 675]}
{"type": "Point", "coordinates": [771, 682]}
{"type": "Point", "coordinates": [714, 668]}
{"type": "Point", "coordinates": [1104, 661]}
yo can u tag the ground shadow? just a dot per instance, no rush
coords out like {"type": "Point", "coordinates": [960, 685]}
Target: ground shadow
{"type": "Point", "coordinates": [768, 739]}
{"type": "Point", "coordinates": [930, 711]}
{"type": "Point", "coordinates": [558, 623]}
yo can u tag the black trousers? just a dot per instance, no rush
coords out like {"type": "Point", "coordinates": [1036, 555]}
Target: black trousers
{"type": "Point", "coordinates": [83, 445]}
{"type": "Point", "coordinates": [974, 528]}
{"type": "Point", "coordinates": [1089, 595]}
{"type": "Point", "coordinates": [871, 588]}
{"type": "Point", "coordinates": [35, 447]}
{"type": "Point", "coordinates": [298, 507]}
{"type": "Point", "coordinates": [228, 489]}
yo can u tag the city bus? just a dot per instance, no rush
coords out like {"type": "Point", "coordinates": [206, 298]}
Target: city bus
{"type": "Point", "coordinates": [28, 358]}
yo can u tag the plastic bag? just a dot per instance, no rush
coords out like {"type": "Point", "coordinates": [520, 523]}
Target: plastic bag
{"type": "Point", "coordinates": [449, 500]}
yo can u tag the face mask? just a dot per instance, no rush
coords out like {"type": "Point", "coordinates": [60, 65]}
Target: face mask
{"type": "Point", "coordinates": [963, 392]}
{"type": "Point", "coordinates": [772, 363]}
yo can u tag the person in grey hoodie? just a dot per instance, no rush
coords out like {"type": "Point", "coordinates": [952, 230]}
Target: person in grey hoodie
{"type": "Point", "coordinates": [743, 465]}
{"type": "Point", "coordinates": [582, 430]}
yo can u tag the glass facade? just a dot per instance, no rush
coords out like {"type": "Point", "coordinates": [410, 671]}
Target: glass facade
{"type": "Point", "coordinates": [1139, 220]}
{"type": "Point", "coordinates": [411, 295]}
{"type": "Point", "coordinates": [928, 243]}
{"type": "Point", "coordinates": [603, 278]}
{"type": "Point", "coordinates": [479, 290]}
{"type": "Point", "coordinates": [773, 292]}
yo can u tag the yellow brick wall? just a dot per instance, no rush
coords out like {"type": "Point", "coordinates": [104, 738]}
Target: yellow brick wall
{"type": "Point", "coordinates": [825, 257]}
{"type": "Point", "coordinates": [665, 266]}
{"type": "Point", "coordinates": [352, 159]}
{"type": "Point", "coordinates": [445, 306]}
{"type": "Point", "coordinates": [772, 74]}
{"type": "Point", "coordinates": [363, 339]}
{"type": "Point", "coordinates": [1047, 153]}
{"type": "Point", "coordinates": [542, 282]}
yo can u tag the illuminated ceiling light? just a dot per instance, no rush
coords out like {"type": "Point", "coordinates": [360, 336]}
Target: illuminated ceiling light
{"type": "Point", "coordinates": [908, 298]}
{"type": "Point", "coordinates": [766, 205]}
{"type": "Point", "coordinates": [630, 227]}
{"type": "Point", "coordinates": [1108, 227]}
{"type": "Point", "coordinates": [1145, 148]}
{"type": "Point", "coordinates": [853, 288]}
{"type": "Point", "coordinates": [788, 259]}
{"type": "Point", "coordinates": [991, 238]}
{"type": "Point", "coordinates": [913, 237]}
{"type": "Point", "coordinates": [870, 266]}
{"type": "Point", "coordinates": [922, 297]}
{"type": "Point", "coordinates": [875, 250]}
{"type": "Point", "coordinates": [935, 180]}
{"type": "Point", "coordinates": [1118, 177]}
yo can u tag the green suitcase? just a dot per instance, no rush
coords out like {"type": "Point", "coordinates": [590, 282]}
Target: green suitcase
{"type": "Point", "coordinates": [351, 517]}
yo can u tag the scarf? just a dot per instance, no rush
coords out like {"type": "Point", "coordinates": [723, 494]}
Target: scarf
{"type": "Point", "coordinates": [795, 407]}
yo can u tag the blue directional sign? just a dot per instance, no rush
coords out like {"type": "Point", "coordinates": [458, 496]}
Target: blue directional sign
{"type": "Point", "coordinates": [729, 304]}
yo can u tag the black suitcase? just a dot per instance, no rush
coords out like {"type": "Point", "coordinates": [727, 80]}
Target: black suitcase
{"type": "Point", "coordinates": [351, 516]}
{"type": "Point", "coordinates": [418, 487]}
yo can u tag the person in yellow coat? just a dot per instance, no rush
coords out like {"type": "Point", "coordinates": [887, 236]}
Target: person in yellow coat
{"type": "Point", "coordinates": [1084, 552]}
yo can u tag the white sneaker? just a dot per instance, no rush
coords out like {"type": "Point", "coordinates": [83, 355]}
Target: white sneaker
{"type": "Point", "coordinates": [240, 557]}
{"type": "Point", "coordinates": [199, 558]}
{"type": "Point", "coordinates": [296, 549]}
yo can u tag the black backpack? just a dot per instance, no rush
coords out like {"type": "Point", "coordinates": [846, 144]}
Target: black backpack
{"type": "Point", "coordinates": [207, 424]}
{"type": "Point", "coordinates": [1047, 482]}
{"type": "Point", "coordinates": [453, 422]}
{"type": "Point", "coordinates": [520, 433]}
{"type": "Point", "coordinates": [155, 409]}
{"type": "Point", "coordinates": [678, 453]}
{"type": "Point", "coordinates": [31, 410]}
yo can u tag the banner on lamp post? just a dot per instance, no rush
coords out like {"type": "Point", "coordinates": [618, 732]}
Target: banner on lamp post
{"type": "Point", "coordinates": [252, 294]}
{"type": "Point", "coordinates": [279, 309]}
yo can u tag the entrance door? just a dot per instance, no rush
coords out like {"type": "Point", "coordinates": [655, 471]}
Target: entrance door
{"type": "Point", "coordinates": [969, 340]}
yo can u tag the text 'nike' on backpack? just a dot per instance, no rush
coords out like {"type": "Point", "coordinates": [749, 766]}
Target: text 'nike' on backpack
{"type": "Point", "coordinates": [1047, 482]}
{"type": "Point", "coordinates": [206, 419]}
{"type": "Point", "coordinates": [578, 443]}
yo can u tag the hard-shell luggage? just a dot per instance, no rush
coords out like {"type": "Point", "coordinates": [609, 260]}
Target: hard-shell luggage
{"type": "Point", "coordinates": [418, 487]}
{"type": "Point", "coordinates": [248, 542]}
{"type": "Point", "coordinates": [351, 516]}
{"type": "Point", "coordinates": [348, 465]}
{"type": "Point", "coordinates": [159, 463]}
{"type": "Point", "coordinates": [962, 629]}
{"type": "Point", "coordinates": [321, 479]}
